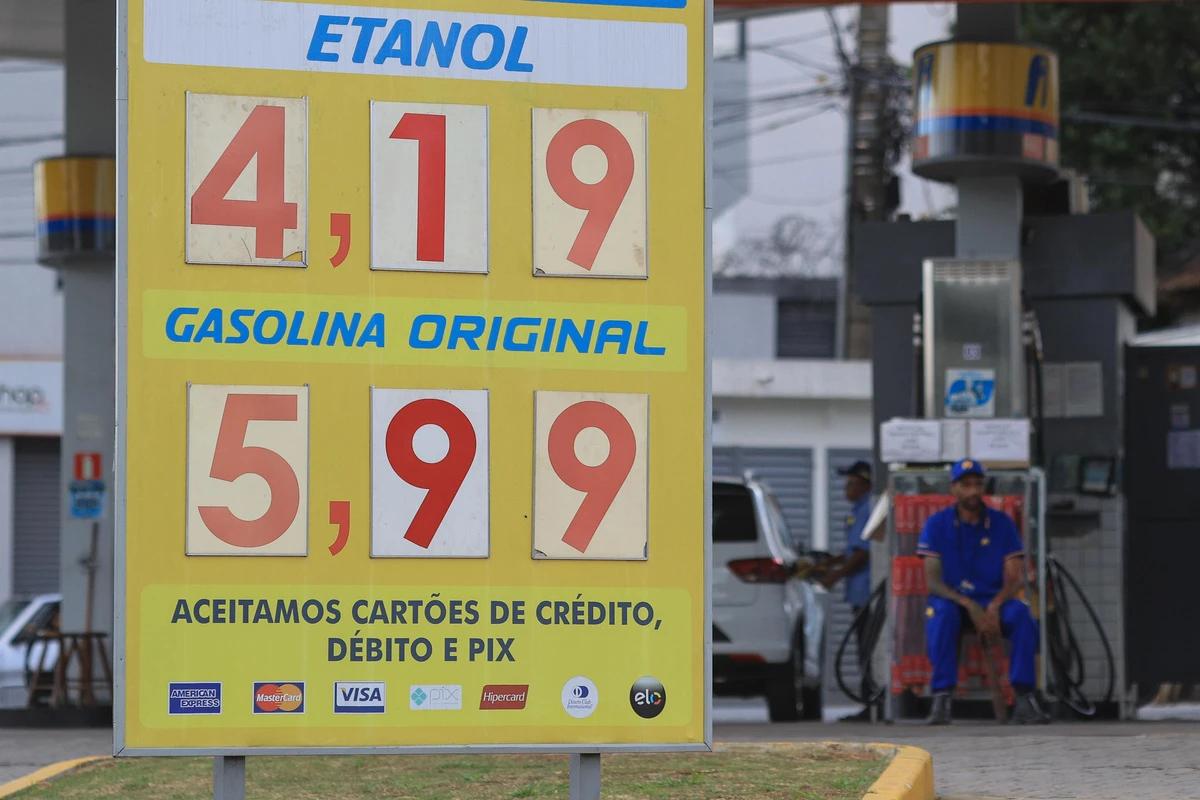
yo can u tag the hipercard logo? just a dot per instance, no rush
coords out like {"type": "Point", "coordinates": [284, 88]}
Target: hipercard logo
{"type": "Point", "coordinates": [194, 698]}
{"type": "Point", "coordinates": [279, 697]}
{"type": "Point", "coordinates": [435, 697]}
{"type": "Point", "coordinates": [359, 698]}
{"type": "Point", "coordinates": [648, 697]}
{"type": "Point", "coordinates": [498, 696]}
{"type": "Point", "coordinates": [580, 697]}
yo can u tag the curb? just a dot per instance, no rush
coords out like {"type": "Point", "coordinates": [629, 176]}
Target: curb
{"type": "Point", "coordinates": [45, 774]}
{"type": "Point", "coordinates": [908, 777]}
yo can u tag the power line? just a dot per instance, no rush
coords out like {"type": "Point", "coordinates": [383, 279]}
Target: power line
{"type": "Point", "coordinates": [14, 141]}
{"type": "Point", "coordinates": [766, 162]}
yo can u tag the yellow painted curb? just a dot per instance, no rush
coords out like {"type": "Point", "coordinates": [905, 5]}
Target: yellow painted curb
{"type": "Point", "coordinates": [908, 777]}
{"type": "Point", "coordinates": [45, 774]}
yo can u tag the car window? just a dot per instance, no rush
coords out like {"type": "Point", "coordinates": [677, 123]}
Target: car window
{"type": "Point", "coordinates": [733, 514]}
{"type": "Point", "coordinates": [43, 619]}
{"type": "Point", "coordinates": [10, 610]}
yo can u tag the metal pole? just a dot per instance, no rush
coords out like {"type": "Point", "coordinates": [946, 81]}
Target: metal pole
{"type": "Point", "coordinates": [585, 776]}
{"type": "Point", "coordinates": [229, 778]}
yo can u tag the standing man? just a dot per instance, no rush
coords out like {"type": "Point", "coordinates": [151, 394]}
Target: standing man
{"type": "Point", "coordinates": [973, 568]}
{"type": "Point", "coordinates": [854, 565]}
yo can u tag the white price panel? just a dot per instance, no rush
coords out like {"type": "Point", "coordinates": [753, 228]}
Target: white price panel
{"type": "Point", "coordinates": [247, 180]}
{"type": "Point", "coordinates": [247, 470]}
{"type": "Point", "coordinates": [590, 488]}
{"type": "Point", "coordinates": [429, 473]}
{"type": "Point", "coordinates": [589, 193]}
{"type": "Point", "coordinates": [429, 187]}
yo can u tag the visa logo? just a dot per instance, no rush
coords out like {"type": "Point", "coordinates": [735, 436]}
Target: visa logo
{"type": "Point", "coordinates": [359, 698]}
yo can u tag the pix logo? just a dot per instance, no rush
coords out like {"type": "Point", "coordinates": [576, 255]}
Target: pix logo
{"type": "Point", "coordinates": [277, 697]}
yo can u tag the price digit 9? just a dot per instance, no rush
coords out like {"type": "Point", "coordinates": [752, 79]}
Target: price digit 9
{"type": "Point", "coordinates": [602, 199]}
{"type": "Point", "coordinates": [600, 483]}
{"type": "Point", "coordinates": [442, 478]}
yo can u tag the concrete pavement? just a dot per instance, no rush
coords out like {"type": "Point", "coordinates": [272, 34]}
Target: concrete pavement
{"type": "Point", "coordinates": [23, 750]}
{"type": "Point", "coordinates": [986, 761]}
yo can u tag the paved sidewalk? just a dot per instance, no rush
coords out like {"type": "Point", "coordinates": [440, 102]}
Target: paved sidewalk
{"type": "Point", "coordinates": [23, 750]}
{"type": "Point", "coordinates": [1066, 761]}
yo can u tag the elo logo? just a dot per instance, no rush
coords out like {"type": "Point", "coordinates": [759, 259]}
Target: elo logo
{"type": "Point", "coordinates": [648, 697]}
{"type": "Point", "coordinates": [278, 697]}
{"type": "Point", "coordinates": [579, 697]}
{"type": "Point", "coordinates": [359, 698]}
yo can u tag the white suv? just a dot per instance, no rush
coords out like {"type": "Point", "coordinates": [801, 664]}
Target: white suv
{"type": "Point", "coordinates": [768, 626]}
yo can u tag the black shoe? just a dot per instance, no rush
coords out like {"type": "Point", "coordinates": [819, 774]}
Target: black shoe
{"type": "Point", "coordinates": [940, 712]}
{"type": "Point", "coordinates": [1028, 711]}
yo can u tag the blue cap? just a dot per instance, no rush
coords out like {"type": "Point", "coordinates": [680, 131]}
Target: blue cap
{"type": "Point", "coordinates": [967, 466]}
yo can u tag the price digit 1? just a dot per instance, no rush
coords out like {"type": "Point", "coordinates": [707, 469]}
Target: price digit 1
{"type": "Point", "coordinates": [429, 131]}
{"type": "Point", "coordinates": [601, 200]}
{"type": "Point", "coordinates": [600, 483]}
{"type": "Point", "coordinates": [443, 478]}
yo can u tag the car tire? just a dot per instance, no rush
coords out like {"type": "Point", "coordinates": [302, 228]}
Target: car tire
{"type": "Point", "coordinates": [785, 685]}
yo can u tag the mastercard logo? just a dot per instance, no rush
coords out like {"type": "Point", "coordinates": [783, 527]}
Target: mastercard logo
{"type": "Point", "coordinates": [279, 698]}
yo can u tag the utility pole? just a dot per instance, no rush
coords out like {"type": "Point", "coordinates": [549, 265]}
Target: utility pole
{"type": "Point", "coordinates": [867, 173]}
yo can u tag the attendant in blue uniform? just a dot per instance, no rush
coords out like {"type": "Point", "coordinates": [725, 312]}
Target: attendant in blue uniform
{"type": "Point", "coordinates": [973, 567]}
{"type": "Point", "coordinates": [854, 565]}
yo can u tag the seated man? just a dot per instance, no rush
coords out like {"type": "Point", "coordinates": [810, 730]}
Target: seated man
{"type": "Point", "coordinates": [973, 563]}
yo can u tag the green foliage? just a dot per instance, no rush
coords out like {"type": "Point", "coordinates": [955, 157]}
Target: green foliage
{"type": "Point", "coordinates": [1138, 64]}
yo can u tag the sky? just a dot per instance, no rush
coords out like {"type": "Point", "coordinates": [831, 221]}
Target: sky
{"type": "Point", "coordinates": [796, 158]}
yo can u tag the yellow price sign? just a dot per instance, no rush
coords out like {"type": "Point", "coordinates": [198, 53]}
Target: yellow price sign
{"type": "Point", "coordinates": [413, 401]}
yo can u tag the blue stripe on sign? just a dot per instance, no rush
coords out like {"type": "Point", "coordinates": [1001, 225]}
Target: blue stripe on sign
{"type": "Point", "coordinates": [976, 122]}
{"type": "Point", "coordinates": [78, 224]}
{"type": "Point", "coordinates": [642, 3]}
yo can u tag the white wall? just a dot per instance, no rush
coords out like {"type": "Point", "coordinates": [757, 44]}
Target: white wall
{"type": "Point", "coordinates": [743, 325]}
{"type": "Point", "coordinates": [31, 320]}
{"type": "Point", "coordinates": [822, 405]}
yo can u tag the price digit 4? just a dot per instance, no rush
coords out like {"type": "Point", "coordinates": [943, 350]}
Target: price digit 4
{"type": "Point", "coordinates": [225, 136]}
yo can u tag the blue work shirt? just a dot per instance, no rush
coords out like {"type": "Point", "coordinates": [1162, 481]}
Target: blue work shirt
{"type": "Point", "coordinates": [858, 585]}
{"type": "Point", "coordinates": [972, 556]}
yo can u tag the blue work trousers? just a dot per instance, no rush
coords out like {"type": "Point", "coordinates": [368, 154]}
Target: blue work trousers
{"type": "Point", "coordinates": [944, 626]}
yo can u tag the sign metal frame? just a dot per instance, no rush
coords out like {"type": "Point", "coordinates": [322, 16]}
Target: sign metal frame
{"type": "Point", "coordinates": [121, 689]}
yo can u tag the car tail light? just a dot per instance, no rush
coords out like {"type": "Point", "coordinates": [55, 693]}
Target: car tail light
{"type": "Point", "coordinates": [747, 658]}
{"type": "Point", "coordinates": [759, 570]}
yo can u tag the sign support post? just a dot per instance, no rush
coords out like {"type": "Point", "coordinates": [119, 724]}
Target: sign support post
{"type": "Point", "coordinates": [229, 778]}
{"type": "Point", "coordinates": [585, 776]}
